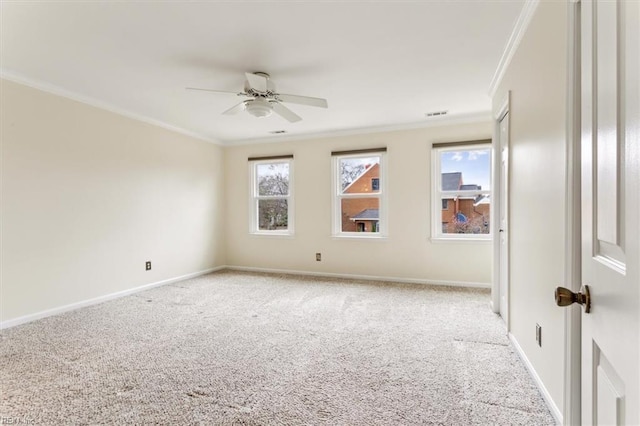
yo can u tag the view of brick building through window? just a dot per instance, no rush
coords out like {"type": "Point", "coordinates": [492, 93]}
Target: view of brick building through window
{"type": "Point", "coordinates": [460, 214]}
{"type": "Point", "coordinates": [464, 214]}
{"type": "Point", "coordinates": [362, 214]}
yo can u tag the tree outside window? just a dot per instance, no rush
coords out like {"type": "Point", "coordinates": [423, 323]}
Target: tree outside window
{"type": "Point", "coordinates": [272, 196]}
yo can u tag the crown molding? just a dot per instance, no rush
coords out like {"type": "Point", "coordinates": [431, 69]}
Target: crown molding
{"type": "Point", "coordinates": [524, 19]}
{"type": "Point", "coordinates": [59, 91]}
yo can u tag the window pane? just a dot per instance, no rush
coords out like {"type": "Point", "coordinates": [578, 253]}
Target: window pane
{"type": "Point", "coordinates": [273, 215]}
{"type": "Point", "coordinates": [466, 215]}
{"type": "Point", "coordinates": [466, 170]}
{"type": "Point", "coordinates": [358, 175]}
{"type": "Point", "coordinates": [273, 179]}
{"type": "Point", "coordinates": [360, 214]}
{"type": "Point", "coordinates": [375, 184]}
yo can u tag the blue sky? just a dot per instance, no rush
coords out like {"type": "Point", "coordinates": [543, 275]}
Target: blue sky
{"type": "Point", "coordinates": [475, 165]}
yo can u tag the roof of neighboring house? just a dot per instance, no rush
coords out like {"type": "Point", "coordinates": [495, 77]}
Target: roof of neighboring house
{"type": "Point", "coordinates": [470, 187]}
{"type": "Point", "coordinates": [451, 181]}
{"type": "Point", "coordinates": [367, 214]}
{"type": "Point", "coordinates": [368, 168]}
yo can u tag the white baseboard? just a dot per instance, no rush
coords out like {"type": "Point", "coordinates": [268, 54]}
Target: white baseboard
{"type": "Point", "coordinates": [66, 308]}
{"type": "Point", "coordinates": [557, 414]}
{"type": "Point", "coordinates": [360, 277]}
{"type": "Point", "coordinates": [73, 306]}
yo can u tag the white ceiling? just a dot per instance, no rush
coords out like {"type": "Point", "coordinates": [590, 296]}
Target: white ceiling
{"type": "Point", "coordinates": [379, 64]}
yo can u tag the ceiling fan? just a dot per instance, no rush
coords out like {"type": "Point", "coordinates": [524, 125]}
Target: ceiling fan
{"type": "Point", "coordinates": [263, 98]}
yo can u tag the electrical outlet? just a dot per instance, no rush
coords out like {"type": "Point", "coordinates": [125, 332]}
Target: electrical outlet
{"type": "Point", "coordinates": [147, 265]}
{"type": "Point", "coordinates": [318, 257]}
{"type": "Point", "coordinates": [539, 335]}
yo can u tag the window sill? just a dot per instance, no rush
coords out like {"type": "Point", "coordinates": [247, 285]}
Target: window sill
{"type": "Point", "coordinates": [282, 235]}
{"type": "Point", "coordinates": [457, 240]}
{"type": "Point", "coordinates": [359, 237]}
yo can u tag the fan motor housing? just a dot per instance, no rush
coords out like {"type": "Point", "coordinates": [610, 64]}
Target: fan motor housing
{"type": "Point", "coordinates": [271, 88]}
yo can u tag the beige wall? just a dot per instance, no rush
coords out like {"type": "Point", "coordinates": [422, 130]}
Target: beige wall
{"type": "Point", "coordinates": [536, 78]}
{"type": "Point", "coordinates": [407, 253]}
{"type": "Point", "coordinates": [88, 196]}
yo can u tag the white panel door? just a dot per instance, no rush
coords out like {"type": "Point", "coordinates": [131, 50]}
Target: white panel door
{"type": "Point", "coordinates": [610, 220]}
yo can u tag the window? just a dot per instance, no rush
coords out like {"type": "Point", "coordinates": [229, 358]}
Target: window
{"type": "Point", "coordinates": [462, 190]}
{"type": "Point", "coordinates": [359, 197]}
{"type": "Point", "coordinates": [271, 195]}
{"type": "Point", "coordinates": [375, 184]}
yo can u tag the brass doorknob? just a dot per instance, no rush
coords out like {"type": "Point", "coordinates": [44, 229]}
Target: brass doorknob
{"type": "Point", "coordinates": [565, 297]}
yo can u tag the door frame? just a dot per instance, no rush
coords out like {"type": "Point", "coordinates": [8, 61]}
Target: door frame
{"type": "Point", "coordinates": [498, 201]}
{"type": "Point", "coordinates": [573, 218]}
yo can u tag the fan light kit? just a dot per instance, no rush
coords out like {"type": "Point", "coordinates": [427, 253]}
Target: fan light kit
{"type": "Point", "coordinates": [264, 100]}
{"type": "Point", "coordinates": [258, 108]}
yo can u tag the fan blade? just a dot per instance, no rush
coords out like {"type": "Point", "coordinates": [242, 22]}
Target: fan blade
{"type": "Point", "coordinates": [303, 100]}
{"type": "Point", "coordinates": [285, 112]}
{"type": "Point", "coordinates": [217, 91]}
{"type": "Point", "coordinates": [235, 109]}
{"type": "Point", "coordinates": [257, 82]}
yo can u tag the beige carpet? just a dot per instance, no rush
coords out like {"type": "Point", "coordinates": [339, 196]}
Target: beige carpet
{"type": "Point", "coordinates": [233, 348]}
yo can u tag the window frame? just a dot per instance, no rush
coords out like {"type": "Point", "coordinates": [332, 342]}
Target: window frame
{"type": "Point", "coordinates": [337, 196]}
{"type": "Point", "coordinates": [438, 195]}
{"type": "Point", "coordinates": [255, 197]}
